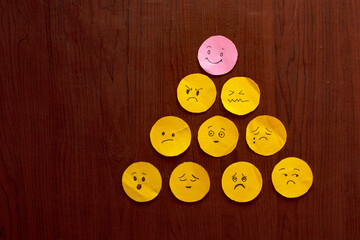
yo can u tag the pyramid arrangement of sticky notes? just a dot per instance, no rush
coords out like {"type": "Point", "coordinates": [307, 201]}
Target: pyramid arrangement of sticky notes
{"type": "Point", "coordinates": [218, 136]}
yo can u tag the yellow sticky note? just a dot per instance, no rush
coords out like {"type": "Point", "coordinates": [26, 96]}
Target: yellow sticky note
{"type": "Point", "coordinates": [170, 136]}
{"type": "Point", "coordinates": [218, 136]}
{"type": "Point", "coordinates": [189, 182]}
{"type": "Point", "coordinates": [196, 93]}
{"type": "Point", "coordinates": [141, 181]}
{"type": "Point", "coordinates": [240, 95]}
{"type": "Point", "coordinates": [265, 135]}
{"type": "Point", "coordinates": [292, 177]}
{"type": "Point", "coordinates": [241, 182]}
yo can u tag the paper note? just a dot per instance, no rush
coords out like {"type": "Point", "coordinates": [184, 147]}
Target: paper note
{"type": "Point", "coordinates": [240, 95]}
{"type": "Point", "coordinates": [265, 135]}
{"type": "Point", "coordinates": [196, 93]}
{"type": "Point", "coordinates": [141, 181]}
{"type": "Point", "coordinates": [241, 182]}
{"type": "Point", "coordinates": [218, 136]}
{"type": "Point", "coordinates": [292, 177]}
{"type": "Point", "coordinates": [170, 136]}
{"type": "Point", "coordinates": [217, 55]}
{"type": "Point", "coordinates": [189, 182]}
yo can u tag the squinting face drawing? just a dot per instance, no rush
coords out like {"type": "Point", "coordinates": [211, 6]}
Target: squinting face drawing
{"type": "Point", "coordinates": [240, 95]}
{"type": "Point", "coordinates": [265, 135]}
{"type": "Point", "coordinates": [217, 55]}
{"type": "Point", "coordinates": [218, 136]}
{"type": "Point", "coordinates": [292, 177]}
{"type": "Point", "coordinates": [196, 93]}
{"type": "Point", "coordinates": [170, 136]}
{"type": "Point", "coordinates": [189, 182]}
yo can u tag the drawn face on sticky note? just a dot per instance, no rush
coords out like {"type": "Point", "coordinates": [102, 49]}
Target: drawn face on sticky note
{"type": "Point", "coordinates": [218, 136]}
{"type": "Point", "coordinates": [292, 177]}
{"type": "Point", "coordinates": [170, 136]}
{"type": "Point", "coordinates": [240, 95]}
{"type": "Point", "coordinates": [265, 135]}
{"type": "Point", "coordinates": [217, 55]}
{"type": "Point", "coordinates": [241, 182]}
{"type": "Point", "coordinates": [196, 93]}
{"type": "Point", "coordinates": [189, 182]}
{"type": "Point", "coordinates": [141, 181]}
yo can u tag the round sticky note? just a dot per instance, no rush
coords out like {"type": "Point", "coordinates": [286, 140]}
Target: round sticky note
{"type": "Point", "coordinates": [141, 181]}
{"type": "Point", "coordinates": [196, 93]}
{"type": "Point", "coordinates": [265, 135]}
{"type": "Point", "coordinates": [218, 136]}
{"type": "Point", "coordinates": [189, 182]}
{"type": "Point", "coordinates": [217, 55]}
{"type": "Point", "coordinates": [241, 182]}
{"type": "Point", "coordinates": [292, 177]}
{"type": "Point", "coordinates": [240, 95]}
{"type": "Point", "coordinates": [170, 136]}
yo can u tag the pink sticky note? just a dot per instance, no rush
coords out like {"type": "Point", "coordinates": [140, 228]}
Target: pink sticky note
{"type": "Point", "coordinates": [217, 55]}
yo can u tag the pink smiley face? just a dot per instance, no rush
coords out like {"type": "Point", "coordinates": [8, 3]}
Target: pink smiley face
{"type": "Point", "coordinates": [217, 55]}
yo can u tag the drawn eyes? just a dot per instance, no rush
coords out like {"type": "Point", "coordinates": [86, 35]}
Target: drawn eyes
{"type": "Point", "coordinates": [232, 92]}
{"type": "Point", "coordinates": [296, 175]}
{"type": "Point", "coordinates": [244, 179]}
{"type": "Point", "coordinates": [221, 134]}
{"type": "Point", "coordinates": [135, 178]}
{"type": "Point", "coordinates": [221, 54]}
{"type": "Point", "coordinates": [197, 93]}
{"type": "Point", "coordinates": [234, 178]}
{"type": "Point", "coordinates": [208, 52]}
{"type": "Point", "coordinates": [187, 91]}
{"type": "Point", "coordinates": [173, 134]}
{"type": "Point", "coordinates": [211, 133]}
{"type": "Point", "coordinates": [191, 180]}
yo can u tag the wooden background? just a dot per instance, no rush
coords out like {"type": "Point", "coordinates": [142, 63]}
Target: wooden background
{"type": "Point", "coordinates": [82, 83]}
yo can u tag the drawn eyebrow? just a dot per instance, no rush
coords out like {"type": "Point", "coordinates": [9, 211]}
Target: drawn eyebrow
{"type": "Point", "coordinates": [268, 130]}
{"type": "Point", "coordinates": [281, 169]}
{"type": "Point", "coordinates": [144, 173]}
{"type": "Point", "coordinates": [255, 129]}
{"type": "Point", "coordinates": [208, 46]}
{"type": "Point", "coordinates": [194, 176]}
{"type": "Point", "coordinates": [188, 87]}
{"type": "Point", "coordinates": [296, 169]}
{"type": "Point", "coordinates": [223, 129]}
{"type": "Point", "coordinates": [198, 89]}
{"type": "Point", "coordinates": [133, 173]}
{"type": "Point", "coordinates": [182, 175]}
{"type": "Point", "coordinates": [234, 175]}
{"type": "Point", "coordinates": [209, 127]}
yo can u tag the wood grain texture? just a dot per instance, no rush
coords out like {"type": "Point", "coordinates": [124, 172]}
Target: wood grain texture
{"type": "Point", "coordinates": [82, 83]}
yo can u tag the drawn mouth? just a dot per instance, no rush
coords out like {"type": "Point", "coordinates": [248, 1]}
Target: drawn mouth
{"type": "Point", "coordinates": [167, 140]}
{"type": "Point", "coordinates": [239, 185]}
{"type": "Point", "coordinates": [191, 98]}
{"type": "Point", "coordinates": [215, 141]}
{"type": "Point", "coordinates": [263, 137]}
{"type": "Point", "coordinates": [290, 181]}
{"type": "Point", "coordinates": [213, 62]}
{"type": "Point", "coordinates": [188, 186]}
{"type": "Point", "coordinates": [138, 186]}
{"type": "Point", "coordinates": [237, 100]}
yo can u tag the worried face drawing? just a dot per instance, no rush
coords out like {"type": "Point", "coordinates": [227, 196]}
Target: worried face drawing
{"type": "Point", "coordinates": [217, 55]}
{"type": "Point", "coordinates": [240, 95]}
{"type": "Point", "coordinates": [141, 181]}
{"type": "Point", "coordinates": [265, 135]}
{"type": "Point", "coordinates": [292, 177]}
{"type": "Point", "coordinates": [196, 93]}
{"type": "Point", "coordinates": [241, 182]}
{"type": "Point", "coordinates": [170, 136]}
{"type": "Point", "coordinates": [189, 182]}
{"type": "Point", "coordinates": [218, 136]}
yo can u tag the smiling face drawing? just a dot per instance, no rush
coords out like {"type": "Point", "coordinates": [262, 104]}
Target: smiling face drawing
{"type": "Point", "coordinates": [170, 136]}
{"type": "Point", "coordinates": [141, 181]}
{"type": "Point", "coordinates": [189, 182]}
{"type": "Point", "coordinates": [240, 95]}
{"type": "Point", "coordinates": [218, 136]}
{"type": "Point", "coordinates": [217, 55]}
{"type": "Point", "coordinates": [196, 93]}
{"type": "Point", "coordinates": [265, 135]}
{"type": "Point", "coordinates": [292, 177]}
{"type": "Point", "coordinates": [241, 182]}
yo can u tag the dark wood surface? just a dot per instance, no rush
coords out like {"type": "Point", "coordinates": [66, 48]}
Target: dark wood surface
{"type": "Point", "coordinates": [82, 83]}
